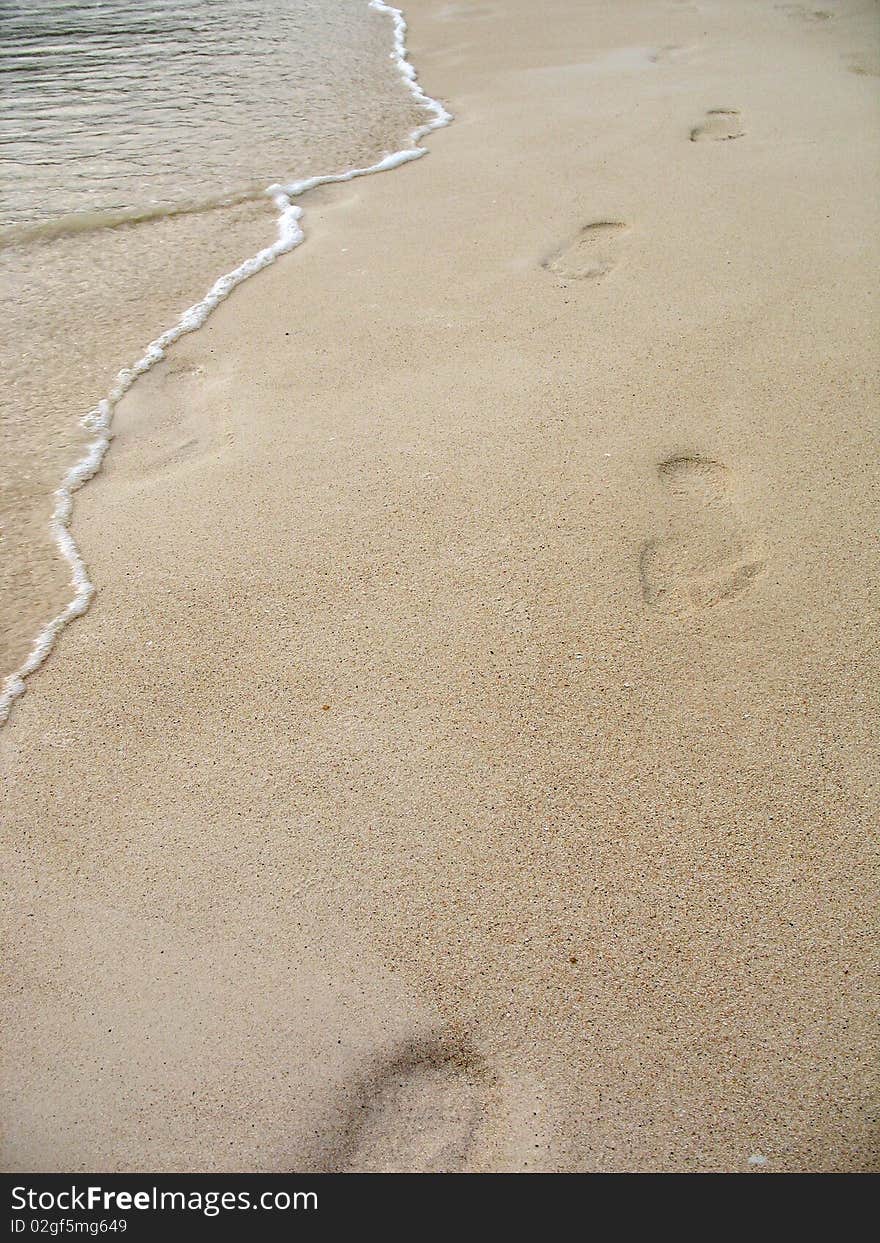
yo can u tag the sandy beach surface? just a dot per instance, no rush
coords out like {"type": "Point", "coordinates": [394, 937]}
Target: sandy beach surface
{"type": "Point", "coordinates": [470, 759]}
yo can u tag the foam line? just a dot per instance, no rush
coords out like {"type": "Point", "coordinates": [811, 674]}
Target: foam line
{"type": "Point", "coordinates": [99, 420]}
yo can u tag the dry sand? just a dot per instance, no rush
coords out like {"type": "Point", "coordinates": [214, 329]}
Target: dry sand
{"type": "Point", "coordinates": [470, 759]}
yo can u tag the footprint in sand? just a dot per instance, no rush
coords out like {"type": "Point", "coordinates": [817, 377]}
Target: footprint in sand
{"type": "Point", "coordinates": [865, 65]}
{"type": "Point", "coordinates": [183, 368]}
{"type": "Point", "coordinates": [182, 435]}
{"type": "Point", "coordinates": [669, 51]}
{"type": "Point", "coordinates": [802, 13]}
{"type": "Point", "coordinates": [720, 125]}
{"type": "Point", "coordinates": [706, 555]}
{"type": "Point", "coordinates": [419, 1113]}
{"type": "Point", "coordinates": [591, 255]}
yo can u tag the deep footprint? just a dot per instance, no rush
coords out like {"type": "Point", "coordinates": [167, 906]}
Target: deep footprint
{"type": "Point", "coordinates": [591, 255]}
{"type": "Point", "coordinates": [420, 1113]}
{"type": "Point", "coordinates": [696, 477]}
{"type": "Point", "coordinates": [720, 125]}
{"type": "Point", "coordinates": [705, 556]}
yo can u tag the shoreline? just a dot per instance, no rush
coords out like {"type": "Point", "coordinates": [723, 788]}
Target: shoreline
{"type": "Point", "coordinates": [100, 418]}
{"type": "Point", "coordinates": [483, 778]}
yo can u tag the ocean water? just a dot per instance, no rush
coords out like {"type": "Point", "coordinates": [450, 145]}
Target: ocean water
{"type": "Point", "coordinates": [114, 108]}
{"type": "Point", "coordinates": [137, 142]}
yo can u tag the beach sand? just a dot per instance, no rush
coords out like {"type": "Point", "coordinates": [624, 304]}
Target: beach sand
{"type": "Point", "coordinates": [470, 759]}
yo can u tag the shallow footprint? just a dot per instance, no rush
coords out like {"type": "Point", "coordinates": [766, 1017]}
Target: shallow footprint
{"type": "Point", "coordinates": [720, 125]}
{"type": "Point", "coordinates": [182, 369]}
{"type": "Point", "coordinates": [865, 65]}
{"type": "Point", "coordinates": [420, 1113]}
{"type": "Point", "coordinates": [591, 254]}
{"type": "Point", "coordinates": [802, 13]}
{"type": "Point", "coordinates": [705, 555]}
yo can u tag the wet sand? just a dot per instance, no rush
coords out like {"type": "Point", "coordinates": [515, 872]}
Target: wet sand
{"type": "Point", "coordinates": [470, 760]}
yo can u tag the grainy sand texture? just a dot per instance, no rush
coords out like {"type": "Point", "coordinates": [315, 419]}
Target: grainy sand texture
{"type": "Point", "coordinates": [470, 759]}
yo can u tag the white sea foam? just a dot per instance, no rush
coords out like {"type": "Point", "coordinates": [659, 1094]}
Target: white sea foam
{"type": "Point", "coordinates": [99, 420]}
